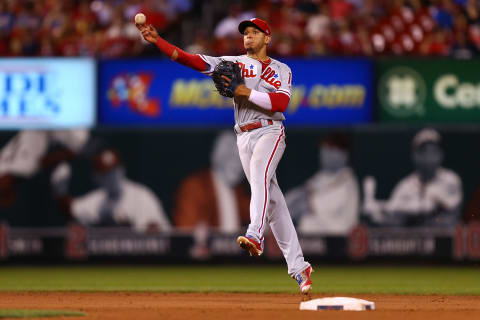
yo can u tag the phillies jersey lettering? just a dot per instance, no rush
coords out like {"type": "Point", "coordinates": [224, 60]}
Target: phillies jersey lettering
{"type": "Point", "coordinates": [248, 71]}
{"type": "Point", "coordinates": [269, 75]}
{"type": "Point", "coordinates": [277, 77]}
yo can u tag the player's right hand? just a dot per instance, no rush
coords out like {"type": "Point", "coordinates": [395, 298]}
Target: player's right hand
{"type": "Point", "coordinates": [148, 32]}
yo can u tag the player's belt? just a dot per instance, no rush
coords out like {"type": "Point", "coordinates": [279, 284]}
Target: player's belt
{"type": "Point", "coordinates": [253, 125]}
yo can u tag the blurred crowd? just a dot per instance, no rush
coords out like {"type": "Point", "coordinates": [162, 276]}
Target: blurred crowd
{"type": "Point", "coordinates": [80, 27]}
{"type": "Point", "coordinates": [104, 28]}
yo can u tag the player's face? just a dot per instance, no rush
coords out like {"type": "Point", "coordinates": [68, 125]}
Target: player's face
{"type": "Point", "coordinates": [254, 39]}
{"type": "Point", "coordinates": [427, 159]}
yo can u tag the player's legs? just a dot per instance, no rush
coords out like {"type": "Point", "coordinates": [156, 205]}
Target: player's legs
{"type": "Point", "coordinates": [244, 153]}
{"type": "Point", "coordinates": [266, 155]}
{"type": "Point", "coordinates": [245, 143]}
{"type": "Point", "coordinates": [260, 154]}
{"type": "Point", "coordinates": [284, 231]}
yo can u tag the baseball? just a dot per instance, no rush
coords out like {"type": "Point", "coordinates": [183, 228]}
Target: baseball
{"type": "Point", "coordinates": [140, 18]}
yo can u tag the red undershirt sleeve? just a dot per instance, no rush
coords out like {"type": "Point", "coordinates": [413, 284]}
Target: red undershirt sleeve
{"type": "Point", "coordinates": [176, 54]}
{"type": "Point", "coordinates": [279, 101]}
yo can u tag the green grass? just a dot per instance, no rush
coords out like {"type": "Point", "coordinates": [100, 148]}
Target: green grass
{"type": "Point", "coordinates": [327, 279]}
{"type": "Point", "coordinates": [16, 313]}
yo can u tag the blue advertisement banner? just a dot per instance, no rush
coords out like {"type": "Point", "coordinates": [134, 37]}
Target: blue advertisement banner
{"type": "Point", "coordinates": [162, 92]}
{"type": "Point", "coordinates": [47, 93]}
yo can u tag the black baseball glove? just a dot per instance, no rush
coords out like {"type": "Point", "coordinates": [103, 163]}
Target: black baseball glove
{"type": "Point", "coordinates": [232, 71]}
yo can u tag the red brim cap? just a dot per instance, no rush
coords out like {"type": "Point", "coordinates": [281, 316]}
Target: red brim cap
{"type": "Point", "coordinates": [106, 160]}
{"type": "Point", "coordinates": [256, 23]}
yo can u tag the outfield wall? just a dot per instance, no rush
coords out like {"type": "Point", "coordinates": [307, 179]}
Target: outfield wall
{"type": "Point", "coordinates": [164, 118]}
{"type": "Point", "coordinates": [70, 92]}
{"type": "Point", "coordinates": [162, 159]}
{"type": "Point", "coordinates": [76, 243]}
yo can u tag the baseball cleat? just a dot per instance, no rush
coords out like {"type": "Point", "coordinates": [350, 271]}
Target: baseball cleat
{"type": "Point", "coordinates": [250, 244]}
{"type": "Point", "coordinates": [304, 282]}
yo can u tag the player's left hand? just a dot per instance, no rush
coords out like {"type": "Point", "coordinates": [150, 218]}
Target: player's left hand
{"type": "Point", "coordinates": [227, 77]}
{"type": "Point", "coordinates": [241, 89]}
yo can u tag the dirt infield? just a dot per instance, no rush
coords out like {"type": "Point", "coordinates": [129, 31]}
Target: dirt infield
{"type": "Point", "coordinates": [212, 306]}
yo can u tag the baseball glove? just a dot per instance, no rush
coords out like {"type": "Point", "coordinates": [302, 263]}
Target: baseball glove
{"type": "Point", "coordinates": [232, 71]}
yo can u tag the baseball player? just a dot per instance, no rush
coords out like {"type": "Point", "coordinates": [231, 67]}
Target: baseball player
{"type": "Point", "coordinates": [328, 202]}
{"type": "Point", "coordinates": [117, 201]}
{"type": "Point", "coordinates": [261, 94]}
{"type": "Point", "coordinates": [28, 152]}
{"type": "Point", "coordinates": [430, 196]}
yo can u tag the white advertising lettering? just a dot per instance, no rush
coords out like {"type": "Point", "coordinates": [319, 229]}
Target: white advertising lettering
{"type": "Point", "coordinates": [450, 93]}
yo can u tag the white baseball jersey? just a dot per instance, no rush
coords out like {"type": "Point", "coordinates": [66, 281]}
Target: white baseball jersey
{"type": "Point", "coordinates": [333, 199]}
{"type": "Point", "coordinates": [413, 197]}
{"type": "Point", "coordinates": [276, 77]}
{"type": "Point", "coordinates": [137, 205]}
{"type": "Point", "coordinates": [23, 153]}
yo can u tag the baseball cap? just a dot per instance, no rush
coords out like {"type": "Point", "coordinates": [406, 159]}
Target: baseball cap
{"type": "Point", "coordinates": [338, 140]}
{"type": "Point", "coordinates": [427, 135]}
{"type": "Point", "coordinates": [257, 23]}
{"type": "Point", "coordinates": [106, 160]}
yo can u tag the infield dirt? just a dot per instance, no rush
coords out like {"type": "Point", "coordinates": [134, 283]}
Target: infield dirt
{"type": "Point", "coordinates": [212, 306]}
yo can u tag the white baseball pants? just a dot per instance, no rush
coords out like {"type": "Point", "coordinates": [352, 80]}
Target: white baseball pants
{"type": "Point", "coordinates": [260, 152]}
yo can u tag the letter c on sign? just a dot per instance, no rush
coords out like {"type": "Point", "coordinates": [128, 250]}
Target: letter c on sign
{"type": "Point", "coordinates": [440, 91]}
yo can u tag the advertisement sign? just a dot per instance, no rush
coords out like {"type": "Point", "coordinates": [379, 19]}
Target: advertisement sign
{"type": "Point", "coordinates": [47, 93]}
{"type": "Point", "coordinates": [162, 92]}
{"type": "Point", "coordinates": [330, 91]}
{"type": "Point", "coordinates": [80, 243]}
{"type": "Point", "coordinates": [428, 90]}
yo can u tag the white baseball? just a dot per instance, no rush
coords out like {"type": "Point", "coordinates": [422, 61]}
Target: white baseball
{"type": "Point", "coordinates": [140, 18]}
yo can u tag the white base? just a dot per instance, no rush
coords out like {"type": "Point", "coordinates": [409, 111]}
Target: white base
{"type": "Point", "coordinates": [337, 303]}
